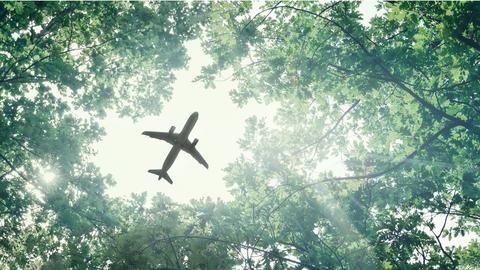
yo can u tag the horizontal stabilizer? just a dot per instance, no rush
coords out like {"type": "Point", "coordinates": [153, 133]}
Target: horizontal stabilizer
{"type": "Point", "coordinates": [161, 174]}
{"type": "Point", "coordinates": [167, 177]}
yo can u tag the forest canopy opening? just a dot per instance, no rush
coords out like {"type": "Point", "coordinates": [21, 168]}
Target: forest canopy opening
{"type": "Point", "coordinates": [393, 101]}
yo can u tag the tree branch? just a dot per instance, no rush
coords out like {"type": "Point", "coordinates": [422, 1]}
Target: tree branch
{"type": "Point", "coordinates": [324, 136]}
{"type": "Point", "coordinates": [437, 236]}
{"type": "Point", "coordinates": [6, 173]}
{"type": "Point", "coordinates": [232, 243]}
{"type": "Point", "coordinates": [352, 72]}
{"type": "Point", "coordinates": [437, 112]}
{"type": "Point", "coordinates": [256, 15]}
{"type": "Point", "coordinates": [424, 145]}
{"type": "Point", "coordinates": [467, 41]}
{"type": "Point", "coordinates": [329, 248]}
{"type": "Point", "coordinates": [24, 147]}
{"type": "Point", "coordinates": [47, 29]}
{"type": "Point", "coordinates": [13, 167]}
{"type": "Point", "coordinates": [174, 253]}
{"type": "Point", "coordinates": [34, 63]}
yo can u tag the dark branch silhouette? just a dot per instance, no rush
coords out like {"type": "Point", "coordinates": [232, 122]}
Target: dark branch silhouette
{"type": "Point", "coordinates": [13, 167]}
{"type": "Point", "coordinates": [324, 136]}
{"type": "Point", "coordinates": [437, 236]}
{"type": "Point", "coordinates": [232, 243]}
{"type": "Point", "coordinates": [432, 138]}
{"type": "Point", "coordinates": [6, 173]}
{"type": "Point", "coordinates": [379, 62]}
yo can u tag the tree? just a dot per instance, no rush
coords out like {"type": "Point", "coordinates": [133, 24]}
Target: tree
{"type": "Point", "coordinates": [63, 65]}
{"type": "Point", "coordinates": [167, 235]}
{"type": "Point", "coordinates": [398, 99]}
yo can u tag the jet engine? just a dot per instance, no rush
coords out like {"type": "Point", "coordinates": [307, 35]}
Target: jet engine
{"type": "Point", "coordinates": [194, 142]}
{"type": "Point", "coordinates": [172, 129]}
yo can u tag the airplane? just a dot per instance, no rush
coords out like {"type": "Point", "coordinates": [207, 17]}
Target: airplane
{"type": "Point", "coordinates": [179, 141]}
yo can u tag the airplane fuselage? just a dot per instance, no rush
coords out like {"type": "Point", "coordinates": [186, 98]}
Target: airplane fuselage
{"type": "Point", "coordinates": [181, 142]}
{"type": "Point", "coordinates": [172, 155]}
{"type": "Point", "coordinates": [187, 128]}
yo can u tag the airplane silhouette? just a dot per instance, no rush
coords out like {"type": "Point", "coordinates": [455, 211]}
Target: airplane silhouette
{"type": "Point", "coordinates": [180, 142]}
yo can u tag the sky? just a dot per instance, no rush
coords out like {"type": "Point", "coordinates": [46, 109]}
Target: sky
{"type": "Point", "coordinates": [127, 155]}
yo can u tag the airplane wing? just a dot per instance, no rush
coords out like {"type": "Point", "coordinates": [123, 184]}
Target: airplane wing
{"type": "Point", "coordinates": [196, 155]}
{"type": "Point", "coordinates": [165, 136]}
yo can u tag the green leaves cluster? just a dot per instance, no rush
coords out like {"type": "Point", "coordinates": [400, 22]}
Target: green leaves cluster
{"type": "Point", "coordinates": [63, 65]}
{"type": "Point", "coordinates": [396, 101]}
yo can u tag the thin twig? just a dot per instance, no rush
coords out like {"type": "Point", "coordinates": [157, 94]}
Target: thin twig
{"type": "Point", "coordinates": [330, 131]}
{"type": "Point", "coordinates": [437, 236]}
{"type": "Point", "coordinates": [447, 127]}
{"type": "Point", "coordinates": [13, 167]}
{"type": "Point", "coordinates": [377, 60]}
{"type": "Point", "coordinates": [231, 243]}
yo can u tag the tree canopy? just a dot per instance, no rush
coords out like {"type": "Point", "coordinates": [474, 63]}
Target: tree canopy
{"type": "Point", "coordinates": [63, 65]}
{"type": "Point", "coordinates": [396, 99]}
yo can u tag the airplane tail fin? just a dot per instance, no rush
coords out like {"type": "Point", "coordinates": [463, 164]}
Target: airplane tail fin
{"type": "Point", "coordinates": [161, 174]}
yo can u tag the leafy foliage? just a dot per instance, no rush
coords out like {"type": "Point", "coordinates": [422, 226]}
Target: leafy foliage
{"type": "Point", "coordinates": [63, 65]}
{"type": "Point", "coordinates": [395, 101]}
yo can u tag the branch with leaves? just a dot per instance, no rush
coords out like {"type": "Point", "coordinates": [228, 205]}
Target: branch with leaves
{"type": "Point", "coordinates": [381, 173]}
{"type": "Point", "coordinates": [380, 63]}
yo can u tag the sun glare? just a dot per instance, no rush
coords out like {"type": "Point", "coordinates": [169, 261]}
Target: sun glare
{"type": "Point", "coordinates": [48, 176]}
